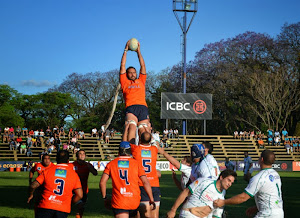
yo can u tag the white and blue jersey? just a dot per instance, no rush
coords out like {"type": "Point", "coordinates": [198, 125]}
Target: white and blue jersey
{"type": "Point", "coordinates": [209, 167]}
{"type": "Point", "coordinates": [203, 193]}
{"type": "Point", "coordinates": [266, 189]}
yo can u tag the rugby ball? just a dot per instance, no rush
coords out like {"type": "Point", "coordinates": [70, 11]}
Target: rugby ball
{"type": "Point", "coordinates": [133, 44]}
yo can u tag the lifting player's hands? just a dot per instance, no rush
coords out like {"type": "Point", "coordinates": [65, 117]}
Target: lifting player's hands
{"type": "Point", "coordinates": [127, 45]}
{"type": "Point", "coordinates": [171, 214]}
{"type": "Point", "coordinates": [251, 211]}
{"type": "Point", "coordinates": [152, 205]}
{"type": "Point", "coordinates": [219, 203]}
{"type": "Point", "coordinates": [138, 48]}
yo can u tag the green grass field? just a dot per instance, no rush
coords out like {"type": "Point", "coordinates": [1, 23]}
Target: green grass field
{"type": "Point", "coordinates": [14, 187]}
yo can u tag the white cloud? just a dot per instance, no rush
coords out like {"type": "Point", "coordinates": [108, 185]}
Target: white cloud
{"type": "Point", "coordinates": [42, 83]}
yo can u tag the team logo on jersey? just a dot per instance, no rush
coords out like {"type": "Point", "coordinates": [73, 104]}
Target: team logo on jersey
{"type": "Point", "coordinates": [61, 173]}
{"type": "Point", "coordinates": [123, 163]}
{"type": "Point", "coordinates": [271, 177]}
{"type": "Point", "coordinates": [39, 168]}
{"type": "Point", "coordinates": [146, 153]}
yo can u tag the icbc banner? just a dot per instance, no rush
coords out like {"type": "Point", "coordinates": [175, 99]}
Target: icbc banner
{"type": "Point", "coordinates": [193, 106]}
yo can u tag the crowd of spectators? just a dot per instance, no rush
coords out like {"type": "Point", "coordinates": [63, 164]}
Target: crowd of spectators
{"type": "Point", "coordinates": [23, 140]}
{"type": "Point", "coordinates": [273, 138]}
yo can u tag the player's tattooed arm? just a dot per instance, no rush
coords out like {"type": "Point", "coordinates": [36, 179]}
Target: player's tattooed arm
{"type": "Point", "coordinates": [34, 185]}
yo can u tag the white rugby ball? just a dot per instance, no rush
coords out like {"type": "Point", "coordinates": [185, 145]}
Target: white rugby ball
{"type": "Point", "coordinates": [133, 44]}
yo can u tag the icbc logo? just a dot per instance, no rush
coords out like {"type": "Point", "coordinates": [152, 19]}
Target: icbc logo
{"type": "Point", "coordinates": [284, 166]}
{"type": "Point", "coordinates": [199, 106]}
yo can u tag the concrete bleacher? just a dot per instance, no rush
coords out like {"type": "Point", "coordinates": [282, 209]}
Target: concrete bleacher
{"type": "Point", "coordinates": [224, 146]}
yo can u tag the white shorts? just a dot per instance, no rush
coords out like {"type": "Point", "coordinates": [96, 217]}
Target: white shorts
{"type": "Point", "coordinates": [186, 214]}
{"type": "Point", "coordinates": [278, 213]}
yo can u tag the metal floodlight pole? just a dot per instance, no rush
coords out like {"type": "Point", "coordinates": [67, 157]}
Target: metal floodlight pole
{"type": "Point", "coordinates": [185, 7]}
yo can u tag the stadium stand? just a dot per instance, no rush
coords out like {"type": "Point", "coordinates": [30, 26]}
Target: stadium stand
{"type": "Point", "coordinates": [224, 146]}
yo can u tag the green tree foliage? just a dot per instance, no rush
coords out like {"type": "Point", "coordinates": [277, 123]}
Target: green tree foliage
{"type": "Point", "coordinates": [8, 114]}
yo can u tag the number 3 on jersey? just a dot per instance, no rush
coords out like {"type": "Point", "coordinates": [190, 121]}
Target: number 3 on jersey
{"type": "Point", "coordinates": [146, 165]}
{"type": "Point", "coordinates": [60, 187]}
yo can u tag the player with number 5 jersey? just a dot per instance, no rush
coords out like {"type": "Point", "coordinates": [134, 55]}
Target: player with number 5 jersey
{"type": "Point", "coordinates": [146, 154]}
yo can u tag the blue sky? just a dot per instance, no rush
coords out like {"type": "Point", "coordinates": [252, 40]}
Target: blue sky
{"type": "Point", "coordinates": [43, 41]}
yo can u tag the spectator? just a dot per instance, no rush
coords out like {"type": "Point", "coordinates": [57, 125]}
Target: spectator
{"type": "Point", "coordinates": [94, 132]}
{"type": "Point", "coordinates": [236, 134]}
{"type": "Point", "coordinates": [19, 139]}
{"type": "Point", "coordinates": [57, 143]}
{"type": "Point", "coordinates": [229, 164]}
{"type": "Point", "coordinates": [81, 135]}
{"type": "Point", "coordinates": [270, 140]}
{"type": "Point", "coordinates": [43, 152]}
{"type": "Point", "coordinates": [165, 133]}
{"type": "Point", "coordinates": [70, 132]}
{"type": "Point", "coordinates": [34, 142]}
{"type": "Point", "coordinates": [171, 133]}
{"type": "Point", "coordinates": [31, 133]}
{"type": "Point", "coordinates": [23, 148]}
{"type": "Point", "coordinates": [107, 133]}
{"type": "Point", "coordinates": [155, 138]}
{"type": "Point", "coordinates": [112, 133]}
{"type": "Point", "coordinates": [277, 133]}
{"type": "Point", "coordinates": [242, 135]}
{"type": "Point", "coordinates": [50, 148]}
{"type": "Point", "coordinates": [29, 152]}
{"type": "Point", "coordinates": [261, 143]}
{"type": "Point", "coordinates": [62, 132]}
{"type": "Point", "coordinates": [252, 134]}
{"type": "Point", "coordinates": [284, 133]}
{"type": "Point", "coordinates": [277, 140]}
{"type": "Point", "coordinates": [25, 131]}
{"type": "Point", "coordinates": [51, 140]}
{"type": "Point", "coordinates": [247, 134]}
{"type": "Point", "coordinates": [76, 147]}
{"type": "Point", "coordinates": [65, 146]}
{"type": "Point", "coordinates": [5, 137]}
{"type": "Point", "coordinates": [295, 146]}
{"type": "Point", "coordinates": [55, 131]}
{"type": "Point", "coordinates": [70, 146]}
{"type": "Point", "coordinates": [18, 131]}
{"type": "Point", "coordinates": [288, 147]}
{"type": "Point", "coordinates": [270, 133]}
{"type": "Point", "coordinates": [248, 167]}
{"type": "Point", "coordinates": [74, 140]}
{"type": "Point", "coordinates": [29, 165]}
{"type": "Point", "coordinates": [176, 133]}
{"type": "Point", "coordinates": [6, 130]}
{"type": "Point", "coordinates": [42, 134]}
{"type": "Point", "coordinates": [11, 136]}
{"type": "Point", "coordinates": [102, 131]}
{"type": "Point", "coordinates": [48, 131]}
{"type": "Point", "coordinates": [12, 145]}
{"type": "Point", "coordinates": [36, 133]}
{"type": "Point", "coordinates": [12, 130]}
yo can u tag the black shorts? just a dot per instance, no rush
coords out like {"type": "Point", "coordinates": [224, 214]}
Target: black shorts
{"type": "Point", "coordinates": [132, 213]}
{"type": "Point", "coordinates": [155, 192]}
{"type": "Point", "coordinates": [48, 213]}
{"type": "Point", "coordinates": [140, 111]}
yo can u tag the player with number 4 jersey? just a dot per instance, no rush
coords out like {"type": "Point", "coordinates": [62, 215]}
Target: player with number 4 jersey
{"type": "Point", "coordinates": [125, 173]}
